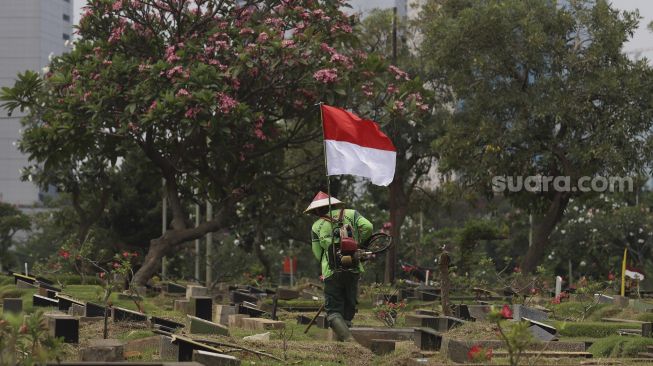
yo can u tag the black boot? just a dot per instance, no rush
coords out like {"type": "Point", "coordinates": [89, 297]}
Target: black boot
{"type": "Point", "coordinates": [339, 327]}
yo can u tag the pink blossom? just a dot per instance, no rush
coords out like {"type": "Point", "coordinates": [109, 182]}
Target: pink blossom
{"type": "Point", "coordinates": [367, 89]}
{"type": "Point", "coordinates": [391, 89]}
{"type": "Point", "coordinates": [326, 76]}
{"type": "Point", "coordinates": [143, 67]}
{"type": "Point", "coordinates": [152, 106]}
{"type": "Point", "coordinates": [107, 62]}
{"type": "Point", "coordinates": [226, 103]}
{"type": "Point", "coordinates": [288, 43]}
{"type": "Point", "coordinates": [398, 106]}
{"type": "Point", "coordinates": [183, 92]}
{"type": "Point", "coordinates": [221, 45]}
{"type": "Point", "coordinates": [192, 112]}
{"type": "Point", "coordinates": [258, 129]}
{"type": "Point", "coordinates": [117, 5]}
{"type": "Point", "coordinates": [177, 70]}
{"type": "Point", "coordinates": [245, 31]}
{"type": "Point", "coordinates": [342, 59]}
{"type": "Point", "coordinates": [398, 73]}
{"type": "Point", "coordinates": [86, 96]}
{"type": "Point", "coordinates": [262, 37]}
{"type": "Point", "coordinates": [171, 56]}
{"type": "Point", "coordinates": [319, 13]}
{"type": "Point", "coordinates": [326, 48]}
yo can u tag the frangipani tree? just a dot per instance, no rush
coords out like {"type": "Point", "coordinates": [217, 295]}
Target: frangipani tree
{"type": "Point", "coordinates": [210, 91]}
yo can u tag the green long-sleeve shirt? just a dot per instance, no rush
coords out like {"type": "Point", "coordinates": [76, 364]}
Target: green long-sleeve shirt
{"type": "Point", "coordinates": [322, 232]}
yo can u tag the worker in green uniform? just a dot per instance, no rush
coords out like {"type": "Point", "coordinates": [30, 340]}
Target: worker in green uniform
{"type": "Point", "coordinates": [341, 267]}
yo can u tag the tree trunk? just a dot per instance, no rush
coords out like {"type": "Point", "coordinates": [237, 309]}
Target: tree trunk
{"type": "Point", "coordinates": [152, 261]}
{"type": "Point", "coordinates": [543, 230]}
{"type": "Point", "coordinates": [398, 203]}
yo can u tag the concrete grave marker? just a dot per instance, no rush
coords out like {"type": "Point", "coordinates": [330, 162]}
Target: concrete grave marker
{"type": "Point", "coordinates": [196, 291]}
{"type": "Point", "coordinates": [262, 324]}
{"type": "Point", "coordinates": [426, 312]}
{"type": "Point", "coordinates": [546, 327]}
{"type": "Point", "coordinates": [187, 346]}
{"type": "Point", "coordinates": [214, 359]}
{"type": "Point", "coordinates": [201, 326]}
{"type": "Point", "coordinates": [603, 299]}
{"type": "Point", "coordinates": [303, 319]}
{"type": "Point", "coordinates": [103, 350]}
{"type": "Point", "coordinates": [558, 286]}
{"type": "Point", "coordinates": [64, 326]}
{"type": "Point", "coordinates": [173, 288]}
{"type": "Point", "coordinates": [541, 334]}
{"type": "Point", "coordinates": [647, 330]}
{"type": "Point", "coordinates": [382, 347]}
{"type": "Point", "coordinates": [66, 302]}
{"type": "Point", "coordinates": [77, 310]}
{"type": "Point", "coordinates": [287, 294]}
{"type": "Point", "coordinates": [447, 322]}
{"type": "Point", "coordinates": [155, 320]}
{"type": "Point", "coordinates": [181, 306]}
{"type": "Point", "coordinates": [417, 320]}
{"type": "Point", "coordinates": [321, 322]}
{"type": "Point", "coordinates": [221, 313]}
{"type": "Point", "coordinates": [168, 351]}
{"type": "Point", "coordinates": [427, 339]}
{"type": "Point", "coordinates": [14, 306]}
{"type": "Point", "coordinates": [249, 310]}
{"type": "Point", "coordinates": [24, 285]}
{"type": "Point", "coordinates": [236, 320]}
{"type": "Point", "coordinates": [364, 335]}
{"type": "Point", "coordinates": [237, 297]}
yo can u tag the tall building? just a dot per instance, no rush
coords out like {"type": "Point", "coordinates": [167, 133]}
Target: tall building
{"type": "Point", "coordinates": [30, 31]}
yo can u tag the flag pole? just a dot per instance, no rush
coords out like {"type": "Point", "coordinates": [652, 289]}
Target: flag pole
{"type": "Point", "coordinates": [326, 169]}
{"type": "Point", "coordinates": [623, 273]}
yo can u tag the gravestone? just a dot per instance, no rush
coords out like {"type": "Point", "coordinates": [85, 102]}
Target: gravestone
{"type": "Point", "coordinates": [214, 359]}
{"type": "Point", "coordinates": [168, 351]}
{"type": "Point", "coordinates": [647, 330]}
{"type": "Point", "coordinates": [237, 297]}
{"type": "Point", "coordinates": [169, 324]}
{"type": "Point", "coordinates": [24, 279]}
{"type": "Point", "coordinates": [405, 293]}
{"type": "Point", "coordinates": [287, 294]}
{"type": "Point", "coordinates": [182, 306]}
{"type": "Point", "coordinates": [364, 335]}
{"type": "Point", "coordinates": [196, 291]}
{"type": "Point", "coordinates": [173, 288]}
{"type": "Point", "coordinates": [426, 312]}
{"type": "Point", "coordinates": [461, 311]}
{"type": "Point", "coordinates": [48, 286]}
{"type": "Point", "coordinates": [255, 290]}
{"type": "Point", "coordinates": [322, 322]}
{"type": "Point", "coordinates": [42, 301]}
{"type": "Point", "coordinates": [64, 326]}
{"type": "Point", "coordinates": [520, 311]}
{"type": "Point", "coordinates": [201, 307]}
{"type": "Point", "coordinates": [447, 322]}
{"type": "Point", "coordinates": [558, 286]}
{"type": "Point", "coordinates": [303, 319]}
{"type": "Point", "coordinates": [546, 327]}
{"type": "Point", "coordinates": [120, 315]}
{"type": "Point", "coordinates": [201, 326]}
{"type": "Point", "coordinates": [425, 295]}
{"type": "Point", "coordinates": [24, 285]}
{"type": "Point", "coordinates": [382, 347]}
{"type": "Point", "coordinates": [620, 301]}
{"type": "Point", "coordinates": [77, 310]}
{"type": "Point", "coordinates": [14, 306]}
{"type": "Point", "coordinates": [262, 324]}
{"type": "Point", "coordinates": [66, 302]}
{"type": "Point", "coordinates": [103, 350]}
{"type": "Point", "coordinates": [221, 313]}
{"type": "Point", "coordinates": [427, 339]}
{"type": "Point", "coordinates": [541, 334]}
{"type": "Point", "coordinates": [418, 320]}
{"type": "Point", "coordinates": [187, 346]}
{"type": "Point", "coordinates": [249, 310]}
{"type": "Point", "coordinates": [236, 320]}
{"type": "Point", "coordinates": [94, 310]}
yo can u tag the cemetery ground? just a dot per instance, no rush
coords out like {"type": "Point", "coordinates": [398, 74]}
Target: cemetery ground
{"type": "Point", "coordinates": [581, 329]}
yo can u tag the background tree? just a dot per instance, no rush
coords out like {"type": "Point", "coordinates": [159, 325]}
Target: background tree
{"type": "Point", "coordinates": [540, 88]}
{"type": "Point", "coordinates": [207, 91]}
{"type": "Point", "coordinates": [11, 221]}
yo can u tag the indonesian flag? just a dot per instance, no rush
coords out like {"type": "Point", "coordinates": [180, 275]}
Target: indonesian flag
{"type": "Point", "coordinates": [635, 274]}
{"type": "Point", "coordinates": [357, 146]}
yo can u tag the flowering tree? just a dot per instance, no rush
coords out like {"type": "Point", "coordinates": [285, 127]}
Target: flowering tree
{"type": "Point", "coordinates": [209, 91]}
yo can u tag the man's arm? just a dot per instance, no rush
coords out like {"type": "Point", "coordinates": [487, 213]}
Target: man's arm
{"type": "Point", "coordinates": [364, 227]}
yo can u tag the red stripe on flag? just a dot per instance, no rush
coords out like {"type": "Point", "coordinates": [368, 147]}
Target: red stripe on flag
{"type": "Point", "coordinates": [341, 125]}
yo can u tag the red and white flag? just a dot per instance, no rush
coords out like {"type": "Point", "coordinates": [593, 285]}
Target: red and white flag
{"type": "Point", "coordinates": [357, 146]}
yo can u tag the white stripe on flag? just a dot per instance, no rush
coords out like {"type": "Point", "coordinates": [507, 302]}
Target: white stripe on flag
{"type": "Point", "coordinates": [347, 158]}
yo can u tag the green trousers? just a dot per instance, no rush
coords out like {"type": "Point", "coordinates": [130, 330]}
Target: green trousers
{"type": "Point", "coordinates": [340, 294]}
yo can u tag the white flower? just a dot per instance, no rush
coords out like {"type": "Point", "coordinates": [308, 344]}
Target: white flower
{"type": "Point", "coordinates": [580, 219]}
{"type": "Point", "coordinates": [236, 242]}
{"type": "Point", "coordinates": [594, 230]}
{"type": "Point", "coordinates": [575, 208]}
{"type": "Point", "coordinates": [631, 234]}
{"type": "Point", "coordinates": [281, 251]}
{"type": "Point", "coordinates": [50, 56]}
{"type": "Point", "coordinates": [262, 247]}
{"type": "Point", "coordinates": [582, 263]}
{"type": "Point", "coordinates": [46, 69]}
{"type": "Point", "coordinates": [563, 232]}
{"type": "Point", "coordinates": [640, 240]}
{"type": "Point", "coordinates": [640, 229]}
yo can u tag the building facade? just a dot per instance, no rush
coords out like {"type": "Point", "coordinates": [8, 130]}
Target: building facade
{"type": "Point", "coordinates": [30, 31]}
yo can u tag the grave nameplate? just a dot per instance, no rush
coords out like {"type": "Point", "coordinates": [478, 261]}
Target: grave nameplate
{"type": "Point", "coordinates": [201, 326]}
{"type": "Point", "coordinates": [121, 315]}
{"type": "Point", "coordinates": [541, 334]}
{"type": "Point", "coordinates": [238, 297]}
{"type": "Point", "coordinates": [169, 324]}
{"type": "Point", "coordinates": [462, 312]}
{"type": "Point", "coordinates": [201, 307]}
{"type": "Point", "coordinates": [250, 311]}
{"type": "Point", "coordinates": [173, 288]}
{"type": "Point", "coordinates": [520, 311]}
{"type": "Point", "coordinates": [94, 310]}
{"type": "Point", "coordinates": [647, 330]}
{"type": "Point", "coordinates": [64, 326]}
{"type": "Point", "coordinates": [546, 327]}
{"type": "Point", "coordinates": [447, 322]}
{"type": "Point", "coordinates": [418, 320]}
{"type": "Point", "coordinates": [187, 346]}
{"type": "Point", "coordinates": [255, 290]}
{"type": "Point", "coordinates": [22, 277]}
{"type": "Point", "coordinates": [66, 302]}
{"type": "Point", "coordinates": [14, 306]}
{"type": "Point", "coordinates": [214, 359]}
{"type": "Point", "coordinates": [428, 339]}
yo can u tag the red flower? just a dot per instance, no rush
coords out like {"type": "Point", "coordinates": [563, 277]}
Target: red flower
{"type": "Point", "coordinates": [611, 276]}
{"type": "Point", "coordinates": [64, 254]}
{"type": "Point", "coordinates": [23, 329]}
{"type": "Point", "coordinates": [534, 291]}
{"type": "Point", "coordinates": [488, 354]}
{"type": "Point", "coordinates": [134, 254]}
{"type": "Point", "coordinates": [125, 254]}
{"type": "Point", "coordinates": [116, 265]}
{"type": "Point", "coordinates": [102, 274]}
{"type": "Point", "coordinates": [506, 312]}
{"type": "Point", "coordinates": [260, 277]}
{"type": "Point", "coordinates": [473, 352]}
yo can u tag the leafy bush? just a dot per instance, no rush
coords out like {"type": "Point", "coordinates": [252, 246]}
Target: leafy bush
{"type": "Point", "coordinates": [619, 346]}
{"type": "Point", "coordinates": [592, 329]}
{"type": "Point", "coordinates": [10, 291]}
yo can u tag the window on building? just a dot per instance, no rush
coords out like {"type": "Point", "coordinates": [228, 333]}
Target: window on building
{"type": "Point", "coordinates": [66, 36]}
{"type": "Point", "coordinates": [66, 17]}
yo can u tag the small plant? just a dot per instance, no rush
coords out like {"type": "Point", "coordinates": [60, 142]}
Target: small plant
{"type": "Point", "coordinates": [517, 339]}
{"type": "Point", "coordinates": [478, 354]}
{"type": "Point", "coordinates": [26, 341]}
{"type": "Point", "coordinates": [389, 312]}
{"type": "Point", "coordinates": [285, 335]}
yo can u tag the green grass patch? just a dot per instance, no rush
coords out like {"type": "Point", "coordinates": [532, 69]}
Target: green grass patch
{"type": "Point", "coordinates": [619, 346]}
{"type": "Point", "coordinates": [135, 334]}
{"type": "Point", "coordinates": [592, 329]}
{"type": "Point", "coordinates": [645, 317]}
{"type": "Point", "coordinates": [576, 310]}
{"type": "Point", "coordinates": [299, 303]}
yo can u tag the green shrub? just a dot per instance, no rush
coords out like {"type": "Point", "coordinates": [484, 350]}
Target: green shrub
{"type": "Point", "coordinates": [10, 291]}
{"type": "Point", "coordinates": [619, 346]}
{"type": "Point", "coordinates": [604, 311]}
{"type": "Point", "coordinates": [574, 310]}
{"type": "Point", "coordinates": [592, 329]}
{"type": "Point", "coordinates": [6, 280]}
